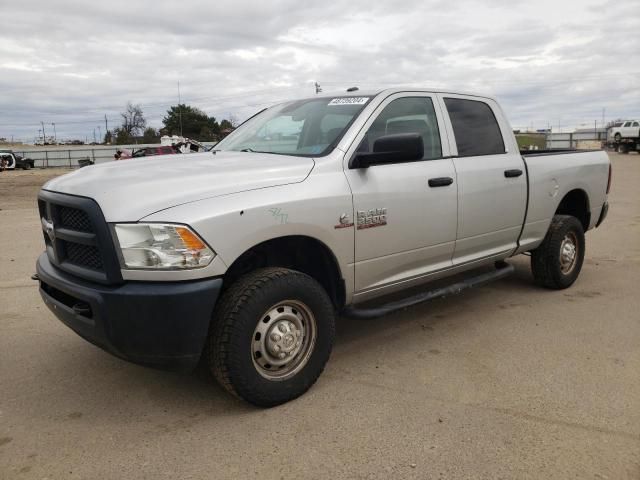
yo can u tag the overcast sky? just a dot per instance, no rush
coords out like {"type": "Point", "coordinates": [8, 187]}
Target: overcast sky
{"type": "Point", "coordinates": [548, 62]}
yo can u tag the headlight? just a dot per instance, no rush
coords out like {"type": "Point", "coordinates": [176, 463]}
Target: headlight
{"type": "Point", "coordinates": [161, 247]}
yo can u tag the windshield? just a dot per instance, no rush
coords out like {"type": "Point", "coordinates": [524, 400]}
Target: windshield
{"type": "Point", "coordinates": [309, 127]}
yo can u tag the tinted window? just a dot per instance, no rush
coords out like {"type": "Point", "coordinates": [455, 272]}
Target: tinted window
{"type": "Point", "coordinates": [475, 127]}
{"type": "Point", "coordinates": [635, 124]}
{"type": "Point", "coordinates": [628, 124]}
{"type": "Point", "coordinates": [407, 115]}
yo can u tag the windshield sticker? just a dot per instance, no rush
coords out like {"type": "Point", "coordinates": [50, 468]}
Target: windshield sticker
{"type": "Point", "coordinates": [349, 101]}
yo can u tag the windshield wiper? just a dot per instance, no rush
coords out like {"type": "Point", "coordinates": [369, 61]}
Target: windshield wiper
{"type": "Point", "coordinates": [255, 151]}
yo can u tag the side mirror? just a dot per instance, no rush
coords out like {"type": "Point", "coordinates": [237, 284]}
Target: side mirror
{"type": "Point", "coordinates": [396, 148]}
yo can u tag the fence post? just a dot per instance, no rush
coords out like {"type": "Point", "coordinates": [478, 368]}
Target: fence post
{"type": "Point", "coordinates": [69, 152]}
{"type": "Point", "coordinates": [46, 158]}
{"type": "Point", "coordinates": [93, 155]}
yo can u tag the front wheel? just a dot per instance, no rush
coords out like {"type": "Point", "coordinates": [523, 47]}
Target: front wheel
{"type": "Point", "coordinates": [557, 262]}
{"type": "Point", "coordinates": [271, 336]}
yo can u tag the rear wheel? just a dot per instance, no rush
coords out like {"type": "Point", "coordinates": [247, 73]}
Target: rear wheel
{"type": "Point", "coordinates": [271, 336]}
{"type": "Point", "coordinates": [617, 137]}
{"type": "Point", "coordinates": [557, 262]}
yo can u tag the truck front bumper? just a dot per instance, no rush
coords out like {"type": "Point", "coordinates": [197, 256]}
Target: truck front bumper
{"type": "Point", "coordinates": [160, 324]}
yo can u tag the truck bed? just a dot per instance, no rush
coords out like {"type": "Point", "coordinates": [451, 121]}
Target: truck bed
{"type": "Point", "coordinates": [552, 151]}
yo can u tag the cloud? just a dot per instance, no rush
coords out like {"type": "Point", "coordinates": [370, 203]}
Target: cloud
{"type": "Point", "coordinates": [72, 63]}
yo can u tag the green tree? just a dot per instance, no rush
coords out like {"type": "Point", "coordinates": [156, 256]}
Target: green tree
{"type": "Point", "coordinates": [196, 124]}
{"type": "Point", "coordinates": [122, 137]}
{"type": "Point", "coordinates": [150, 135]}
{"type": "Point", "coordinates": [226, 124]}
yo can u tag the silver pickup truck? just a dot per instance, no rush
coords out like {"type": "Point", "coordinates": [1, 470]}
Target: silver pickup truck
{"type": "Point", "coordinates": [241, 258]}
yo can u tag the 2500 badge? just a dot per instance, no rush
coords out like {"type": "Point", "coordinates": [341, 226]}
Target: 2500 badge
{"type": "Point", "coordinates": [376, 217]}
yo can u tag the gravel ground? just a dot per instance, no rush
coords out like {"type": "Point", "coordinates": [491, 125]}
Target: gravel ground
{"type": "Point", "coordinates": [507, 381]}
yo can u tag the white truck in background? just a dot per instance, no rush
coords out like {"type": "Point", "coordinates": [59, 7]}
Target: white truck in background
{"type": "Point", "coordinates": [242, 258]}
{"type": "Point", "coordinates": [624, 137]}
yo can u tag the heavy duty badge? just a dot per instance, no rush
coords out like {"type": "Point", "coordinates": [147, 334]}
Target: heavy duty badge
{"type": "Point", "coordinates": [376, 217]}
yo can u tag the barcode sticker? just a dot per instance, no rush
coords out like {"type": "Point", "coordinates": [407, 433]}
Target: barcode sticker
{"type": "Point", "coordinates": [349, 101]}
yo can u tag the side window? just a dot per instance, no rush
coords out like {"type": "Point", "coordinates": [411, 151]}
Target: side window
{"type": "Point", "coordinates": [407, 115]}
{"type": "Point", "coordinates": [627, 124]}
{"type": "Point", "coordinates": [636, 124]}
{"type": "Point", "coordinates": [475, 127]}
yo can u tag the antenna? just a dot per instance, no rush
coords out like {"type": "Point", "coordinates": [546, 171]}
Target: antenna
{"type": "Point", "coordinates": [180, 108]}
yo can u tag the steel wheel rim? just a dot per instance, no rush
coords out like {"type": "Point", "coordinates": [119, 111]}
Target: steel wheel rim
{"type": "Point", "coordinates": [283, 340]}
{"type": "Point", "coordinates": [568, 253]}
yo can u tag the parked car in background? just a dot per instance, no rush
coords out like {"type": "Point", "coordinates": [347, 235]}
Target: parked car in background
{"type": "Point", "coordinates": [628, 129]}
{"type": "Point", "coordinates": [12, 161]}
{"type": "Point", "coordinates": [151, 151]}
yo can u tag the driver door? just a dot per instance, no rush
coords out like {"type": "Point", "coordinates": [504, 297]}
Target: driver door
{"type": "Point", "coordinates": [405, 222]}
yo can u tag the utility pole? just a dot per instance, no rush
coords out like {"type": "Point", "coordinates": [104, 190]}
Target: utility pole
{"type": "Point", "coordinates": [100, 134]}
{"type": "Point", "coordinates": [44, 135]}
{"type": "Point", "coordinates": [94, 135]}
{"type": "Point", "coordinates": [55, 135]}
{"type": "Point", "coordinates": [106, 124]}
{"type": "Point", "coordinates": [180, 108]}
{"type": "Point", "coordinates": [318, 88]}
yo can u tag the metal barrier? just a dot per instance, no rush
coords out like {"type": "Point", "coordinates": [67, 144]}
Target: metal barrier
{"type": "Point", "coordinates": [69, 157]}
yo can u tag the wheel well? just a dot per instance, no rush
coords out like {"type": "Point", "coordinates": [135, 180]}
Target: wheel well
{"type": "Point", "coordinates": [576, 204]}
{"type": "Point", "coordinates": [304, 254]}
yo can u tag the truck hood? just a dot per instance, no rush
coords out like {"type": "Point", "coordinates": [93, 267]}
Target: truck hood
{"type": "Point", "coordinates": [129, 190]}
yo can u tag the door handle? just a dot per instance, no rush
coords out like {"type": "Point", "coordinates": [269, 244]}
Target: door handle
{"type": "Point", "coordinates": [440, 181]}
{"type": "Point", "coordinates": [516, 172]}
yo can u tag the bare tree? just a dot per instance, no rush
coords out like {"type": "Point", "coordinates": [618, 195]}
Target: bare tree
{"type": "Point", "coordinates": [133, 121]}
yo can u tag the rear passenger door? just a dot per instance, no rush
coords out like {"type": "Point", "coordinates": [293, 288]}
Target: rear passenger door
{"type": "Point", "coordinates": [492, 181]}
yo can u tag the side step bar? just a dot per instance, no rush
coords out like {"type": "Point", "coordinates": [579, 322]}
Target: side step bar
{"type": "Point", "coordinates": [502, 270]}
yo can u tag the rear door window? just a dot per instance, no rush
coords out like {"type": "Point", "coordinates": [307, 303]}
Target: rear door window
{"type": "Point", "coordinates": [475, 127]}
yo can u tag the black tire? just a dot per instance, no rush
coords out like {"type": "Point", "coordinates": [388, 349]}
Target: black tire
{"type": "Point", "coordinates": [550, 268]}
{"type": "Point", "coordinates": [617, 137]}
{"type": "Point", "coordinates": [623, 149]}
{"type": "Point", "coordinates": [234, 346]}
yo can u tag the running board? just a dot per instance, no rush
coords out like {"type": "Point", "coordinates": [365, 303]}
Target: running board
{"type": "Point", "coordinates": [502, 270]}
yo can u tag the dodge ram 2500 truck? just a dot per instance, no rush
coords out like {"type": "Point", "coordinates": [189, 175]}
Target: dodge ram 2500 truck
{"type": "Point", "coordinates": [241, 258]}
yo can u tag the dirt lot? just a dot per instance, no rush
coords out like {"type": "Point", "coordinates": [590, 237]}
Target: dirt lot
{"type": "Point", "coordinates": [507, 381]}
